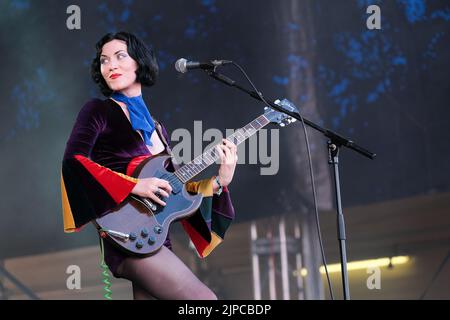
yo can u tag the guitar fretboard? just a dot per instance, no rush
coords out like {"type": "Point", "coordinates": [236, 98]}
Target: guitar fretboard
{"type": "Point", "coordinates": [210, 156]}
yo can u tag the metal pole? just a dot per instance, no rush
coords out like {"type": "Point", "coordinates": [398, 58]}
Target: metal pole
{"type": "Point", "coordinates": [255, 264]}
{"type": "Point", "coordinates": [299, 264]}
{"type": "Point", "coordinates": [271, 268]}
{"type": "Point", "coordinates": [284, 260]}
{"type": "Point", "coordinates": [17, 283]}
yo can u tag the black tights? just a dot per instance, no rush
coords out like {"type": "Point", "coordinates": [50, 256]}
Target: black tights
{"type": "Point", "coordinates": [163, 276]}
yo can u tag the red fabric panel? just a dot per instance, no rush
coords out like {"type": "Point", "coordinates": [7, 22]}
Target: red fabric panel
{"type": "Point", "coordinates": [117, 185]}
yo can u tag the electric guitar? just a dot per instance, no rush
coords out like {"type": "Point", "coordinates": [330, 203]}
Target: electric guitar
{"type": "Point", "coordinates": [140, 226]}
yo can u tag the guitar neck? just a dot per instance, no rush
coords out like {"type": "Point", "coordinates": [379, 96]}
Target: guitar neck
{"type": "Point", "coordinates": [210, 156]}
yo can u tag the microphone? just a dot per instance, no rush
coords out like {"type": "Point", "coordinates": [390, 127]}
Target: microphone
{"type": "Point", "coordinates": [182, 65]}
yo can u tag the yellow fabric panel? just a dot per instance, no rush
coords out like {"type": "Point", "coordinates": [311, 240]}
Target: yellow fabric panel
{"type": "Point", "coordinates": [205, 187]}
{"type": "Point", "coordinates": [215, 241]}
{"type": "Point", "coordinates": [126, 177]}
{"type": "Point", "coordinates": [69, 223]}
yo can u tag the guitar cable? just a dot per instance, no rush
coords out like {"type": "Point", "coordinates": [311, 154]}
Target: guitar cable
{"type": "Point", "coordinates": [105, 273]}
{"type": "Point", "coordinates": [319, 233]}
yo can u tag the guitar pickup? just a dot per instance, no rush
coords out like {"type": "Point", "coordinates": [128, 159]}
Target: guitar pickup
{"type": "Point", "coordinates": [149, 204]}
{"type": "Point", "coordinates": [146, 203]}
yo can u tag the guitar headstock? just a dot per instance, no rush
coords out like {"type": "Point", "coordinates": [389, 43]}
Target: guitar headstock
{"type": "Point", "coordinates": [278, 117]}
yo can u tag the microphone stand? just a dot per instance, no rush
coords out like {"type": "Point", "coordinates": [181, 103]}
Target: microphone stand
{"type": "Point", "coordinates": [334, 142]}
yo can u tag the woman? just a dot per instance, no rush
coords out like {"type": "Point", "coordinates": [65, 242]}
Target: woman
{"type": "Point", "coordinates": [109, 139]}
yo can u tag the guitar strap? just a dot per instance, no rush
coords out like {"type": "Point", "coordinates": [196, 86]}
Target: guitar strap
{"type": "Point", "coordinates": [164, 140]}
{"type": "Point", "coordinates": [161, 135]}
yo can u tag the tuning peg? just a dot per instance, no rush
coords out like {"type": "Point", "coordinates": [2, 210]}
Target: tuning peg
{"type": "Point", "coordinates": [265, 108]}
{"type": "Point", "coordinates": [282, 124]}
{"type": "Point", "coordinates": [277, 101]}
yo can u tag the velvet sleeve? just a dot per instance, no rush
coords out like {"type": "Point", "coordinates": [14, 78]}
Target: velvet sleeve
{"type": "Point", "coordinates": [88, 189]}
{"type": "Point", "coordinates": [207, 227]}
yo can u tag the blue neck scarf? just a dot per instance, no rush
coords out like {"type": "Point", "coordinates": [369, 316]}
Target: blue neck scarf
{"type": "Point", "coordinates": [139, 115]}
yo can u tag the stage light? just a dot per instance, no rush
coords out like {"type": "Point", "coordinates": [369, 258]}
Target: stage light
{"type": "Point", "coordinates": [360, 265]}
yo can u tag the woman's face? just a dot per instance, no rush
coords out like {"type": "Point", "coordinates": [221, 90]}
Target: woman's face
{"type": "Point", "coordinates": [117, 67]}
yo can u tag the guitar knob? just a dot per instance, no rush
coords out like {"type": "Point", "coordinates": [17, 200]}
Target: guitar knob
{"type": "Point", "coordinates": [132, 236]}
{"type": "Point", "coordinates": [139, 244]}
{"type": "Point", "coordinates": [144, 232]}
{"type": "Point", "coordinates": [151, 240]}
{"type": "Point", "coordinates": [157, 229]}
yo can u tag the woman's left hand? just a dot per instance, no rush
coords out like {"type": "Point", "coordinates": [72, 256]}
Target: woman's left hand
{"type": "Point", "coordinates": [228, 160]}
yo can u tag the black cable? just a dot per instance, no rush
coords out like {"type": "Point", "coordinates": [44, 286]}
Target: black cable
{"type": "Point", "coordinates": [436, 274]}
{"type": "Point", "coordinates": [311, 175]}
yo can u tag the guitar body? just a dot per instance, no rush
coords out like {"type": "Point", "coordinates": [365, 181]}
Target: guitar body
{"type": "Point", "coordinates": [138, 229]}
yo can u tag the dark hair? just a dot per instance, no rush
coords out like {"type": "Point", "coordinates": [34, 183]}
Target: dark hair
{"type": "Point", "coordinates": [147, 65]}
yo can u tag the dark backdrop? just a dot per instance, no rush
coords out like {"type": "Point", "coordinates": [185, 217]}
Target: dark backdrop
{"type": "Point", "coordinates": [386, 89]}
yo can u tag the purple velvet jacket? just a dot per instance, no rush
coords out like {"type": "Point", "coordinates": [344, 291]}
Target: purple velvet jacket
{"type": "Point", "coordinates": [101, 153]}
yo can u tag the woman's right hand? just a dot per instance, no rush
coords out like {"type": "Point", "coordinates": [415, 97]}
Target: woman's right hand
{"type": "Point", "coordinates": [151, 187]}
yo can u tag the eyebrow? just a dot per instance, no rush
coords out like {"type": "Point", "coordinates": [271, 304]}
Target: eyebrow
{"type": "Point", "coordinates": [102, 55]}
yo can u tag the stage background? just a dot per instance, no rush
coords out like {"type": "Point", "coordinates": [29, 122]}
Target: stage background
{"type": "Point", "coordinates": [386, 89]}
